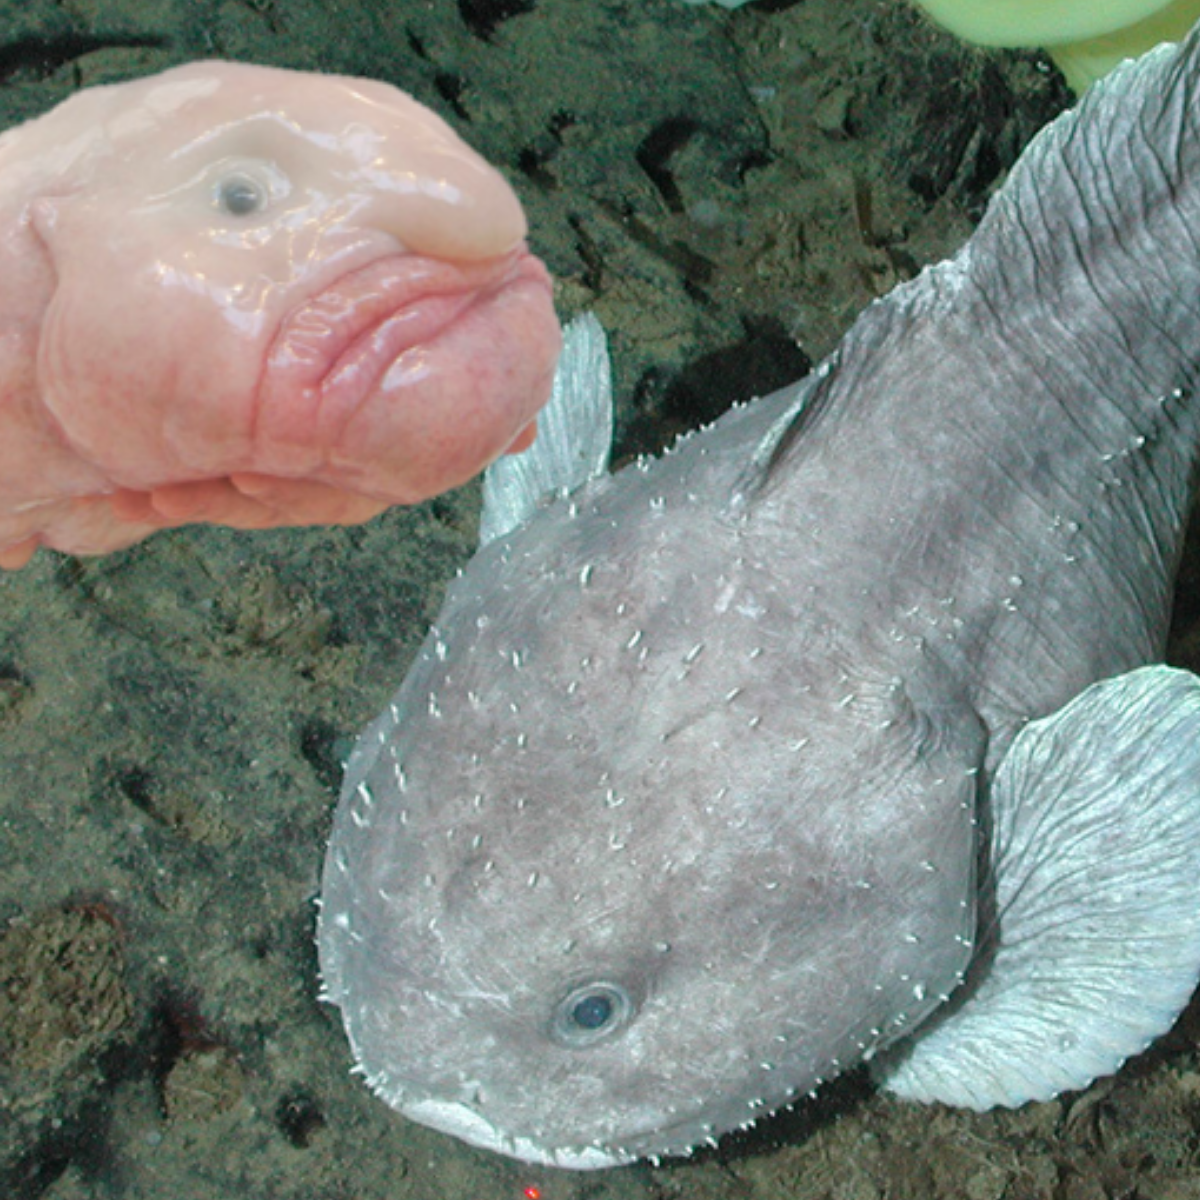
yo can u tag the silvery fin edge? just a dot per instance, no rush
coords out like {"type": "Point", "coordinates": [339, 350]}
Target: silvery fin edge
{"type": "Point", "coordinates": [1095, 854]}
{"type": "Point", "coordinates": [573, 442]}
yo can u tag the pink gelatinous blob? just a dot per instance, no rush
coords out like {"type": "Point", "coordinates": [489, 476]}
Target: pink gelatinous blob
{"type": "Point", "coordinates": [253, 297]}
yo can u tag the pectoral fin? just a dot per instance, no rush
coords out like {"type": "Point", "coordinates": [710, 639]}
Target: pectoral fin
{"type": "Point", "coordinates": [1096, 858]}
{"type": "Point", "coordinates": [574, 436]}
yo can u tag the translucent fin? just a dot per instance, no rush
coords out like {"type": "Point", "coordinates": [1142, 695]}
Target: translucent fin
{"type": "Point", "coordinates": [574, 436]}
{"type": "Point", "coordinates": [1096, 854]}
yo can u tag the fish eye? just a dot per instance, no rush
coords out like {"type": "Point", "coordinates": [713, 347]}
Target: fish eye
{"type": "Point", "coordinates": [240, 195]}
{"type": "Point", "coordinates": [591, 1012]}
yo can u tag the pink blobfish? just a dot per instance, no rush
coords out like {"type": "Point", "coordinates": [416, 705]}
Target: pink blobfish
{"type": "Point", "coordinates": [253, 297]}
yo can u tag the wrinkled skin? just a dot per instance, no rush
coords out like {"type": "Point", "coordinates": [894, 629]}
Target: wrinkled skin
{"type": "Point", "coordinates": [674, 816]}
{"type": "Point", "coordinates": [253, 297]}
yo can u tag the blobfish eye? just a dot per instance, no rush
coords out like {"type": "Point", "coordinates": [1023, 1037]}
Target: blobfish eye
{"type": "Point", "coordinates": [240, 196]}
{"type": "Point", "coordinates": [591, 1012]}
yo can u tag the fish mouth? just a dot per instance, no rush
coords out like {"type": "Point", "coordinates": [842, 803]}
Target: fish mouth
{"type": "Point", "coordinates": [463, 1120]}
{"type": "Point", "coordinates": [407, 375]}
{"type": "Point", "coordinates": [465, 1123]}
{"type": "Point", "coordinates": [355, 328]}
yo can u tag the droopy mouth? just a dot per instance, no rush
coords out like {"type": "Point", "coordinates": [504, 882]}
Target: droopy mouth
{"type": "Point", "coordinates": [462, 1122]}
{"type": "Point", "coordinates": [371, 315]}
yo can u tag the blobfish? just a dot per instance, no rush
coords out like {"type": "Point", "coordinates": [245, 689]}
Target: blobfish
{"type": "Point", "coordinates": [839, 733]}
{"type": "Point", "coordinates": [255, 297]}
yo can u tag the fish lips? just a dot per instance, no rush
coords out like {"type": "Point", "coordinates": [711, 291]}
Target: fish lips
{"type": "Point", "coordinates": [447, 362]}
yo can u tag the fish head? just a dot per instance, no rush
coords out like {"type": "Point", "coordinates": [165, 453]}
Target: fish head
{"type": "Point", "coordinates": [358, 273]}
{"type": "Point", "coordinates": [615, 875]}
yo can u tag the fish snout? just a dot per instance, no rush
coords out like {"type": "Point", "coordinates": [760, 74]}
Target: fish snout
{"type": "Point", "coordinates": [436, 196]}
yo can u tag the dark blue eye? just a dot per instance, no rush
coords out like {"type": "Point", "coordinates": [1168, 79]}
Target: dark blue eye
{"type": "Point", "coordinates": [591, 1012]}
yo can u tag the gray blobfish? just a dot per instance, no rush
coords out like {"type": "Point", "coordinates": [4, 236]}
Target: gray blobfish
{"type": "Point", "coordinates": [838, 733]}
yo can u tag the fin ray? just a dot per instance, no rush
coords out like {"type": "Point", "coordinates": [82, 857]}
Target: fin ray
{"type": "Point", "coordinates": [574, 436]}
{"type": "Point", "coordinates": [1097, 865]}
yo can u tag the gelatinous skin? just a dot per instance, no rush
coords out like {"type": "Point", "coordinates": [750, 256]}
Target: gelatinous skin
{"type": "Point", "coordinates": [680, 807]}
{"type": "Point", "coordinates": [253, 297]}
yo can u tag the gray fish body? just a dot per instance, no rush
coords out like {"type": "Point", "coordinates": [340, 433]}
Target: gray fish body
{"type": "Point", "coordinates": [676, 814]}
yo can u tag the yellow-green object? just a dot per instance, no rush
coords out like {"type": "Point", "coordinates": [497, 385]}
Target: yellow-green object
{"type": "Point", "coordinates": [1086, 38]}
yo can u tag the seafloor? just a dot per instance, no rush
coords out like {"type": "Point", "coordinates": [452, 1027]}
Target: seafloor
{"type": "Point", "coordinates": [726, 191]}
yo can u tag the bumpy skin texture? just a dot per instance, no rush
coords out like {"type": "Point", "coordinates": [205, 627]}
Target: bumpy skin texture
{"type": "Point", "coordinates": [253, 297]}
{"type": "Point", "coordinates": [671, 819]}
